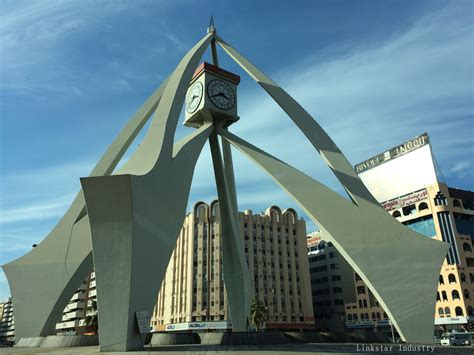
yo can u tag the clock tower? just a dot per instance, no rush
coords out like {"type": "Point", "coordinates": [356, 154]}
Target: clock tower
{"type": "Point", "coordinates": [212, 95]}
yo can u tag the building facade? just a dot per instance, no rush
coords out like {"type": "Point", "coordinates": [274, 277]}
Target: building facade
{"type": "Point", "coordinates": [7, 322]}
{"type": "Point", "coordinates": [193, 295]}
{"type": "Point", "coordinates": [445, 214]}
{"type": "Point", "coordinates": [332, 285]}
{"type": "Point", "coordinates": [73, 321]}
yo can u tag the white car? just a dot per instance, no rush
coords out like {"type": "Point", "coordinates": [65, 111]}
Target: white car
{"type": "Point", "coordinates": [451, 339]}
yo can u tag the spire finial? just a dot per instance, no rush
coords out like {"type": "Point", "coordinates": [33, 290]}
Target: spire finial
{"type": "Point", "coordinates": [211, 28]}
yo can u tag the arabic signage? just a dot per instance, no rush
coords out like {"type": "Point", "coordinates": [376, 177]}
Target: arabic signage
{"type": "Point", "coordinates": [393, 153]}
{"type": "Point", "coordinates": [405, 200]}
{"type": "Point", "coordinates": [198, 326]}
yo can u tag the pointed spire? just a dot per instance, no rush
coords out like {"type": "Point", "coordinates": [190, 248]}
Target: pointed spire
{"type": "Point", "coordinates": [211, 28]}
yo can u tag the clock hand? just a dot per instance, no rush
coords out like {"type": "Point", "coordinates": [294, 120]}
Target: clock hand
{"type": "Point", "coordinates": [221, 94]}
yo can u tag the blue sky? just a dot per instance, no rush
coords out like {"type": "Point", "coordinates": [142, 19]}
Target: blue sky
{"type": "Point", "coordinates": [373, 73]}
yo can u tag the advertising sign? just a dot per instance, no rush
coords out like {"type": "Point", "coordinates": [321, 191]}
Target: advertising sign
{"type": "Point", "coordinates": [143, 320]}
{"type": "Point", "coordinates": [198, 326]}
{"type": "Point", "coordinates": [399, 171]}
{"type": "Point", "coordinates": [393, 153]}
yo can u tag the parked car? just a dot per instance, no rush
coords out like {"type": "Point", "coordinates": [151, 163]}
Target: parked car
{"type": "Point", "coordinates": [453, 339]}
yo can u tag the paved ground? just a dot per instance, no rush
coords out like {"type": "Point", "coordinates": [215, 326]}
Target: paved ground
{"type": "Point", "coordinates": [281, 349]}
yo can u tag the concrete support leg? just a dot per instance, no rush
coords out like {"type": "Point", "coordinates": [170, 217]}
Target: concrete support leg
{"type": "Point", "coordinates": [236, 275]}
{"type": "Point", "coordinates": [135, 221]}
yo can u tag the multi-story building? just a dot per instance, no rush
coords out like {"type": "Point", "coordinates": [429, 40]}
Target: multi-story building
{"type": "Point", "coordinates": [7, 322]}
{"type": "Point", "coordinates": [193, 296]}
{"type": "Point", "coordinates": [73, 319]}
{"type": "Point", "coordinates": [445, 214]}
{"type": "Point", "coordinates": [407, 184]}
{"type": "Point", "coordinates": [331, 283]}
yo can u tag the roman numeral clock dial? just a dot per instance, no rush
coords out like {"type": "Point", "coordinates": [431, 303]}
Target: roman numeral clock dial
{"type": "Point", "coordinates": [221, 94]}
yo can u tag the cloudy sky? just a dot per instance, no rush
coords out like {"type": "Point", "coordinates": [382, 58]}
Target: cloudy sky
{"type": "Point", "coordinates": [373, 73]}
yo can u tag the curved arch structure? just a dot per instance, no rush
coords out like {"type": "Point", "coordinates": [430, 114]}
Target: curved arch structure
{"type": "Point", "coordinates": [138, 211]}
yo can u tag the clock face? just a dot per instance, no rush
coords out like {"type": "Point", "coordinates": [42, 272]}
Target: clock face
{"type": "Point", "coordinates": [221, 94]}
{"type": "Point", "coordinates": [194, 96]}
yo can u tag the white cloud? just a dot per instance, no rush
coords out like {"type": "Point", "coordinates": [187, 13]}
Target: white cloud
{"type": "Point", "coordinates": [36, 212]}
{"type": "Point", "coordinates": [462, 169]}
{"type": "Point", "coordinates": [377, 96]}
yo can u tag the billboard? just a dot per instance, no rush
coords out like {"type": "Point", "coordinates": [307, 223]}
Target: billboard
{"type": "Point", "coordinates": [198, 326]}
{"type": "Point", "coordinates": [400, 170]}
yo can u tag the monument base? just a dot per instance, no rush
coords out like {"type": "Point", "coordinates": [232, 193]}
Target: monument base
{"type": "Point", "coordinates": [30, 342]}
{"type": "Point", "coordinates": [158, 339]}
{"type": "Point", "coordinates": [243, 338]}
{"type": "Point", "coordinates": [69, 341]}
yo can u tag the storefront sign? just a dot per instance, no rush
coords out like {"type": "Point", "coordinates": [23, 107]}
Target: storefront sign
{"type": "Point", "coordinates": [405, 200]}
{"type": "Point", "coordinates": [362, 324]}
{"type": "Point", "coordinates": [198, 326]}
{"type": "Point", "coordinates": [451, 320]}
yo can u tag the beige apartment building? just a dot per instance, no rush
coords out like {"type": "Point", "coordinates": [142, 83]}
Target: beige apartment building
{"type": "Point", "coordinates": [73, 319]}
{"type": "Point", "coordinates": [445, 214]}
{"type": "Point", "coordinates": [7, 322]}
{"type": "Point", "coordinates": [193, 295]}
{"type": "Point", "coordinates": [332, 284]}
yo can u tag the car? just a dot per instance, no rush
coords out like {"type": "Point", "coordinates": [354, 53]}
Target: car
{"type": "Point", "coordinates": [454, 338]}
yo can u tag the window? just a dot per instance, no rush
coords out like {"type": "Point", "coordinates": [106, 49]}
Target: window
{"type": "Point", "coordinates": [349, 317]}
{"type": "Point", "coordinates": [447, 311]}
{"type": "Point", "coordinates": [455, 295]}
{"type": "Point", "coordinates": [422, 206]}
{"type": "Point", "coordinates": [466, 247]}
{"type": "Point", "coordinates": [451, 278]}
{"type": "Point", "coordinates": [459, 312]}
{"type": "Point", "coordinates": [441, 312]}
{"type": "Point", "coordinates": [463, 277]}
{"type": "Point", "coordinates": [422, 225]}
{"type": "Point", "coordinates": [441, 280]}
{"type": "Point", "coordinates": [360, 290]}
{"type": "Point", "coordinates": [396, 214]}
{"type": "Point", "coordinates": [444, 295]}
{"type": "Point", "coordinates": [408, 210]}
{"type": "Point", "coordinates": [466, 294]}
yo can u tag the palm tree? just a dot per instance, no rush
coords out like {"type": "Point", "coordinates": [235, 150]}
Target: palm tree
{"type": "Point", "coordinates": [92, 316]}
{"type": "Point", "coordinates": [258, 313]}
